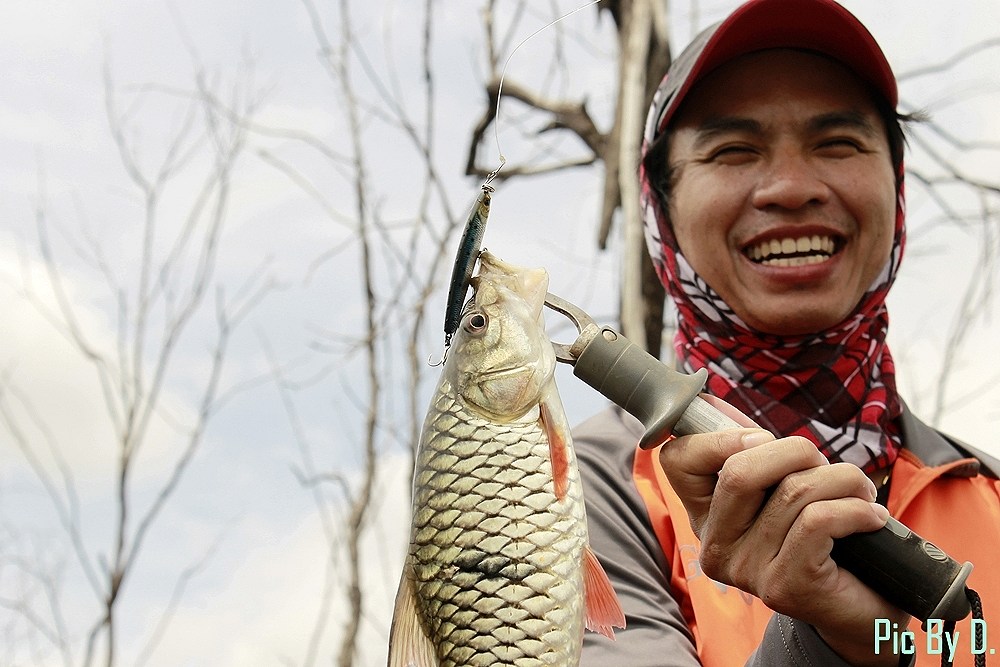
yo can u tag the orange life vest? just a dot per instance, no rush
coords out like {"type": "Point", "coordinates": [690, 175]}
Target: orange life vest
{"type": "Point", "coordinates": [960, 514]}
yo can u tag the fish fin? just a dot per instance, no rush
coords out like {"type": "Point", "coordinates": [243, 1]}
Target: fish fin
{"type": "Point", "coordinates": [604, 611]}
{"type": "Point", "coordinates": [409, 645]}
{"type": "Point", "coordinates": [553, 418]}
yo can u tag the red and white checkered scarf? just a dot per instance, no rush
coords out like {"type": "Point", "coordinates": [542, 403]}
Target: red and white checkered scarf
{"type": "Point", "coordinates": [835, 387]}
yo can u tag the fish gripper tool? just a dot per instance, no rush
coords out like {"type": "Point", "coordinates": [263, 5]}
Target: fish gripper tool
{"type": "Point", "coordinates": [904, 568]}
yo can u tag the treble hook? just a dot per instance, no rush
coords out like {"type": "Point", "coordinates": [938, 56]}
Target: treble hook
{"type": "Point", "coordinates": [444, 355]}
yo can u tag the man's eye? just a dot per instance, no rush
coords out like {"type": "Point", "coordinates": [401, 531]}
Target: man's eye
{"type": "Point", "coordinates": [840, 147]}
{"type": "Point", "coordinates": [732, 154]}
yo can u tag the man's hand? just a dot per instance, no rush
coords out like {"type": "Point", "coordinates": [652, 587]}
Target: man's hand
{"type": "Point", "coordinates": [767, 511]}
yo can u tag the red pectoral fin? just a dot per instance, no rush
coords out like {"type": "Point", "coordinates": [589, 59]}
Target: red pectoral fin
{"type": "Point", "coordinates": [603, 609]}
{"type": "Point", "coordinates": [556, 428]}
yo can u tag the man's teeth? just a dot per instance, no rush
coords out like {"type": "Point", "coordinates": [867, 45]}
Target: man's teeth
{"type": "Point", "coordinates": [792, 252]}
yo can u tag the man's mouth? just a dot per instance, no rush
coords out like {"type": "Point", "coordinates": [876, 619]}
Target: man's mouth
{"type": "Point", "coordinates": [793, 251]}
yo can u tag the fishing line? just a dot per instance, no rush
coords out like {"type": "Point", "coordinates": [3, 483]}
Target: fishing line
{"type": "Point", "coordinates": [503, 76]}
{"type": "Point", "coordinates": [470, 246]}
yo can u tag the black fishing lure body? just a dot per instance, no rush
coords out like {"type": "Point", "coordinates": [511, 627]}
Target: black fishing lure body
{"type": "Point", "coordinates": [465, 261]}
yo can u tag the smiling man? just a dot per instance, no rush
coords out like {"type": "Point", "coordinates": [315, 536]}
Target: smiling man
{"type": "Point", "coordinates": [773, 153]}
{"type": "Point", "coordinates": [773, 195]}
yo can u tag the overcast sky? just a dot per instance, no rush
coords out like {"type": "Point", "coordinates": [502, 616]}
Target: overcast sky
{"type": "Point", "coordinates": [241, 521]}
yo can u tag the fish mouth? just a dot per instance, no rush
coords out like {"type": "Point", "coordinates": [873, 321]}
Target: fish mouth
{"type": "Point", "coordinates": [791, 250]}
{"type": "Point", "coordinates": [529, 284]}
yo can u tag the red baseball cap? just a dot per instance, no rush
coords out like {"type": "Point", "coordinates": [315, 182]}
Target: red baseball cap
{"type": "Point", "coordinates": [821, 26]}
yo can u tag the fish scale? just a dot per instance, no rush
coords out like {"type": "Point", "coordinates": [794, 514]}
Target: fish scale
{"type": "Point", "coordinates": [511, 554]}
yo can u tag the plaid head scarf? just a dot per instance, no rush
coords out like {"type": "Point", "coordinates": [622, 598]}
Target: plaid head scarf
{"type": "Point", "coordinates": [835, 387]}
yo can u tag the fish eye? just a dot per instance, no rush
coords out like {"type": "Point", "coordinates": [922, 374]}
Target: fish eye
{"type": "Point", "coordinates": [475, 322]}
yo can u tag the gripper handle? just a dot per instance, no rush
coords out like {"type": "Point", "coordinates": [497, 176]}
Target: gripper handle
{"type": "Point", "coordinates": [905, 569]}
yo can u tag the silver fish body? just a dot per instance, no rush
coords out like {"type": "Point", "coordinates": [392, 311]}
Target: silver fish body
{"type": "Point", "coordinates": [496, 566]}
{"type": "Point", "coordinates": [495, 557]}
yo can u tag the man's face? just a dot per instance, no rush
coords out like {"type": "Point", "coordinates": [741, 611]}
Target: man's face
{"type": "Point", "coordinates": [784, 196]}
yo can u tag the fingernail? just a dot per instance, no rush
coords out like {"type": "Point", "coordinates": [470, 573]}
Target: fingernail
{"type": "Point", "coordinates": [882, 512]}
{"type": "Point", "coordinates": [872, 490]}
{"type": "Point", "coordinates": [755, 438]}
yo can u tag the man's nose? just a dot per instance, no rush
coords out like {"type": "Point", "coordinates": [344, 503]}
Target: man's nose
{"type": "Point", "coordinates": [790, 182]}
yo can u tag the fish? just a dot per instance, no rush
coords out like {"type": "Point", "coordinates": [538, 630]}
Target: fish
{"type": "Point", "coordinates": [499, 570]}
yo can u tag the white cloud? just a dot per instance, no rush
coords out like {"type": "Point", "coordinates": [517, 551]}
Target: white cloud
{"type": "Point", "coordinates": [52, 375]}
{"type": "Point", "coordinates": [43, 27]}
{"type": "Point", "coordinates": [266, 588]}
{"type": "Point", "coordinates": [59, 385]}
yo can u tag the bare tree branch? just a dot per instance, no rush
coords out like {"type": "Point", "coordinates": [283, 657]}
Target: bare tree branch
{"type": "Point", "coordinates": [155, 312]}
{"type": "Point", "coordinates": [949, 63]}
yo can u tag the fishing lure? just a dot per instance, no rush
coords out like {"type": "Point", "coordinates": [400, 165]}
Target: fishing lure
{"type": "Point", "coordinates": [465, 261]}
{"type": "Point", "coordinates": [471, 243]}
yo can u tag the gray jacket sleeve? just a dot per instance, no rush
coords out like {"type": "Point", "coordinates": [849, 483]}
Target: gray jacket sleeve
{"type": "Point", "coordinates": [623, 539]}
